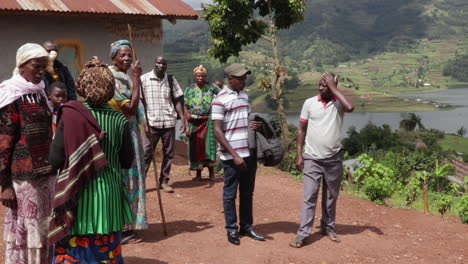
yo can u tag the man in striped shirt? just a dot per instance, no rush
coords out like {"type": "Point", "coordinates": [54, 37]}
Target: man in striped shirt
{"type": "Point", "coordinates": [230, 111]}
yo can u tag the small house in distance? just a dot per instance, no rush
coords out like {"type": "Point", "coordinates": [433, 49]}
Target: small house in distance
{"type": "Point", "coordinates": [86, 28]}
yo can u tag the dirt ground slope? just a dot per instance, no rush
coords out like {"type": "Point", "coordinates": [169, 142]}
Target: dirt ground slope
{"type": "Point", "coordinates": [369, 233]}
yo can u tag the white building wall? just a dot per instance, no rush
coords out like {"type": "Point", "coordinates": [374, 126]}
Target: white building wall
{"type": "Point", "coordinates": [16, 30]}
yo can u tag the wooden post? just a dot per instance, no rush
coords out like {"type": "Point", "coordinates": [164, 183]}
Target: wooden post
{"type": "Point", "coordinates": [426, 199]}
{"type": "Point", "coordinates": [158, 191]}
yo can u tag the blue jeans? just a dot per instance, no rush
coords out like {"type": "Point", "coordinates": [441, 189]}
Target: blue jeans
{"type": "Point", "coordinates": [234, 177]}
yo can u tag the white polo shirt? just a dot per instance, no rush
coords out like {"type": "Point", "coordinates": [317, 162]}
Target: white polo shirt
{"type": "Point", "coordinates": [324, 125]}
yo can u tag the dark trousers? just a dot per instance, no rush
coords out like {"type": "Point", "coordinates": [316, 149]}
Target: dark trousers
{"type": "Point", "coordinates": [167, 135]}
{"type": "Point", "coordinates": [245, 180]}
{"type": "Point", "coordinates": [330, 171]}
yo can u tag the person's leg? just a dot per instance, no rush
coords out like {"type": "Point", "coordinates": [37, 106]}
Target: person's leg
{"type": "Point", "coordinates": [333, 174]}
{"type": "Point", "coordinates": [312, 177]}
{"type": "Point", "coordinates": [211, 173]}
{"type": "Point", "coordinates": [231, 181]}
{"type": "Point", "coordinates": [148, 150]}
{"type": "Point", "coordinates": [168, 141]}
{"type": "Point", "coordinates": [198, 176]}
{"type": "Point", "coordinates": [246, 189]}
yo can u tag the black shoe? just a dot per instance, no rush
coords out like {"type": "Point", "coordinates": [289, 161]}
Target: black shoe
{"type": "Point", "coordinates": [252, 234]}
{"type": "Point", "coordinates": [233, 237]}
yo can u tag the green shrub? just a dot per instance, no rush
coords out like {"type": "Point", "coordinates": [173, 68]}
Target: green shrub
{"type": "Point", "coordinates": [371, 168]}
{"type": "Point", "coordinates": [413, 189]}
{"type": "Point", "coordinates": [443, 202]}
{"type": "Point", "coordinates": [462, 209]}
{"type": "Point", "coordinates": [378, 189]}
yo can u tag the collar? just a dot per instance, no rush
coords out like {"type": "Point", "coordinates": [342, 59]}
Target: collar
{"type": "Point", "coordinates": [229, 90]}
{"type": "Point", "coordinates": [153, 77]}
{"type": "Point", "coordinates": [319, 97]}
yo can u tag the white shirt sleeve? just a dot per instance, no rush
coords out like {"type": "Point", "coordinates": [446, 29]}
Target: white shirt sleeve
{"type": "Point", "coordinates": [304, 117]}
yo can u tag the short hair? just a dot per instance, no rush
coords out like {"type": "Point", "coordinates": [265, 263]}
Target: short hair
{"type": "Point", "coordinates": [57, 85]}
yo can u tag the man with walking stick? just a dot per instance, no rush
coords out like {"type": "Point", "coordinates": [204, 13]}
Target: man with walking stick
{"type": "Point", "coordinates": [163, 105]}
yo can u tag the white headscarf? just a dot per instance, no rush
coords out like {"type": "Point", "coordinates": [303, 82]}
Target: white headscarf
{"type": "Point", "coordinates": [17, 87]}
{"type": "Point", "coordinates": [27, 52]}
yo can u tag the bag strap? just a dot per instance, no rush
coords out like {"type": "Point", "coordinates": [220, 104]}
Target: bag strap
{"type": "Point", "coordinates": [170, 80]}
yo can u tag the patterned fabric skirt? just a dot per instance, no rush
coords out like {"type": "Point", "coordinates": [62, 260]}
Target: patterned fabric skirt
{"type": "Point", "coordinates": [89, 249]}
{"type": "Point", "coordinates": [135, 181]}
{"type": "Point", "coordinates": [26, 227]}
{"type": "Point", "coordinates": [202, 144]}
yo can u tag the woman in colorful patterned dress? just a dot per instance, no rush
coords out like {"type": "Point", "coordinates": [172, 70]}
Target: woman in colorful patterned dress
{"type": "Point", "coordinates": [26, 178]}
{"type": "Point", "coordinates": [127, 100]}
{"type": "Point", "coordinates": [202, 142]}
{"type": "Point", "coordinates": [92, 147]}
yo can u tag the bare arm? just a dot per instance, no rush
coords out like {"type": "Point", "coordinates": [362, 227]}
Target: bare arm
{"type": "Point", "coordinates": [348, 106]}
{"type": "Point", "coordinates": [187, 118]}
{"type": "Point", "coordinates": [301, 133]}
{"type": "Point", "coordinates": [131, 108]}
{"type": "Point", "coordinates": [221, 138]}
{"type": "Point", "coordinates": [180, 111]}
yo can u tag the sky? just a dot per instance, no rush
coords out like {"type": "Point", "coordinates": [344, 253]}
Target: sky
{"type": "Point", "coordinates": [196, 3]}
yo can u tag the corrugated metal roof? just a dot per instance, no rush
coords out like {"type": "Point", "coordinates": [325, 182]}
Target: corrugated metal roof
{"type": "Point", "coordinates": [172, 8]}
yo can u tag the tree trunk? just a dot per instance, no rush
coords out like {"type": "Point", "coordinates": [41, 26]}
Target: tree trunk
{"type": "Point", "coordinates": [426, 199]}
{"type": "Point", "coordinates": [278, 93]}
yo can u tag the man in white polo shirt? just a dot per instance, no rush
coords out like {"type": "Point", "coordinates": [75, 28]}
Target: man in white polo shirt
{"type": "Point", "coordinates": [320, 128]}
{"type": "Point", "coordinates": [229, 112]}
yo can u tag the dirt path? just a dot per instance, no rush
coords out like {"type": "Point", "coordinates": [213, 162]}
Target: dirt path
{"type": "Point", "coordinates": [370, 233]}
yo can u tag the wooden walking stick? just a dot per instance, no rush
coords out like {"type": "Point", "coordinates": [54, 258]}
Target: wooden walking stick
{"type": "Point", "coordinates": [150, 139]}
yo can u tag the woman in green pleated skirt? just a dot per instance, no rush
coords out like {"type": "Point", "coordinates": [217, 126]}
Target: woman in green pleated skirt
{"type": "Point", "coordinates": [99, 209]}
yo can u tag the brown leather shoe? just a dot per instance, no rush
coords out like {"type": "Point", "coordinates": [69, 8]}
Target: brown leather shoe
{"type": "Point", "coordinates": [166, 188]}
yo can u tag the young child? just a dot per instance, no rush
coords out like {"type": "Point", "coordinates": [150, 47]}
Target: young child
{"type": "Point", "coordinates": [58, 96]}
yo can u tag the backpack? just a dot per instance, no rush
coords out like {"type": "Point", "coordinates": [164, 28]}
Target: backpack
{"type": "Point", "coordinates": [170, 80]}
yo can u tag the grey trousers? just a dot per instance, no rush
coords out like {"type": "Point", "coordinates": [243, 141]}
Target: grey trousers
{"type": "Point", "coordinates": [331, 171]}
{"type": "Point", "coordinates": [167, 136]}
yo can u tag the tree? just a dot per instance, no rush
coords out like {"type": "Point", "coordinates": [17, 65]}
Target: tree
{"type": "Point", "coordinates": [410, 123]}
{"type": "Point", "coordinates": [237, 23]}
{"type": "Point", "coordinates": [461, 131]}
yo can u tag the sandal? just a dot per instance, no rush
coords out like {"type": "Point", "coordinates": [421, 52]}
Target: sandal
{"type": "Point", "coordinates": [298, 242]}
{"type": "Point", "coordinates": [132, 238]}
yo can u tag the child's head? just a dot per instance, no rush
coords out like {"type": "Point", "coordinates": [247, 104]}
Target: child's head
{"type": "Point", "coordinates": [58, 94]}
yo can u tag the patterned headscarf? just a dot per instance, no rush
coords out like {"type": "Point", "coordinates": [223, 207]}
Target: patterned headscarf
{"type": "Point", "coordinates": [96, 83]}
{"type": "Point", "coordinates": [118, 45]}
{"type": "Point", "coordinates": [200, 69]}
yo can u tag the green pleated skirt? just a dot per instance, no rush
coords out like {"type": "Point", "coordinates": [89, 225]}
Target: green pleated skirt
{"type": "Point", "coordinates": [103, 206]}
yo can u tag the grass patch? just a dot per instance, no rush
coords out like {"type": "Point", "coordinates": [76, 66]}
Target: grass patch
{"type": "Point", "coordinates": [453, 142]}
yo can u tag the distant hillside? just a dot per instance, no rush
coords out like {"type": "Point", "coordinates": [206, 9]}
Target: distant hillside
{"type": "Point", "coordinates": [339, 30]}
{"type": "Point", "coordinates": [380, 45]}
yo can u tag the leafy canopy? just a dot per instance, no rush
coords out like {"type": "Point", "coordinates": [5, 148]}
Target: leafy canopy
{"type": "Point", "coordinates": [236, 23]}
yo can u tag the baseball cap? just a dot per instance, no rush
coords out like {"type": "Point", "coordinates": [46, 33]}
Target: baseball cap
{"type": "Point", "coordinates": [236, 70]}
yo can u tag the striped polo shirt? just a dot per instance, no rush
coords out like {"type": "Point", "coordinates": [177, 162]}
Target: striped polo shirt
{"type": "Point", "coordinates": [233, 108]}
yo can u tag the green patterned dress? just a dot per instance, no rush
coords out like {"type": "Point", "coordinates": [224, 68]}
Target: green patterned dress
{"type": "Point", "coordinates": [202, 142]}
{"type": "Point", "coordinates": [135, 177]}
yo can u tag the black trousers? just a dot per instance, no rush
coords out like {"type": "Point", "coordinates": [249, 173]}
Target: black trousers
{"type": "Point", "coordinates": [244, 180]}
{"type": "Point", "coordinates": [167, 136]}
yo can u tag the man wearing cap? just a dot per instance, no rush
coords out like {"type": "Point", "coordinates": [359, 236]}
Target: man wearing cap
{"type": "Point", "coordinates": [320, 129]}
{"type": "Point", "coordinates": [230, 111]}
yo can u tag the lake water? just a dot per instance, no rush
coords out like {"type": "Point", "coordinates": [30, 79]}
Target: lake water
{"type": "Point", "coordinates": [446, 120]}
